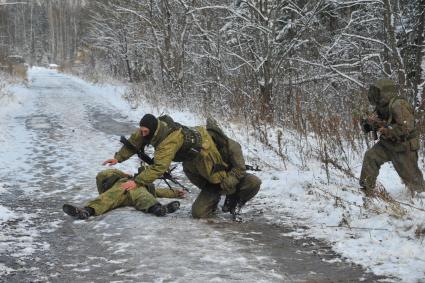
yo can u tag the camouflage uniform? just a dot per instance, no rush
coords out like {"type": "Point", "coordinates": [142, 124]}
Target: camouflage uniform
{"type": "Point", "coordinates": [399, 143]}
{"type": "Point", "coordinates": [141, 198]}
{"type": "Point", "coordinates": [237, 183]}
{"type": "Point", "coordinates": [200, 168]}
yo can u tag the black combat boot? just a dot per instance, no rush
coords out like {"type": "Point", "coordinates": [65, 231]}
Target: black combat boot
{"type": "Point", "coordinates": [172, 206]}
{"type": "Point", "coordinates": [161, 210]}
{"type": "Point", "coordinates": [230, 204]}
{"type": "Point", "coordinates": [158, 209]}
{"type": "Point", "coordinates": [77, 212]}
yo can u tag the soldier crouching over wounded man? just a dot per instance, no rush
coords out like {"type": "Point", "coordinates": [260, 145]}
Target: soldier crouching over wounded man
{"type": "Point", "coordinates": [112, 195]}
{"type": "Point", "coordinates": [211, 161]}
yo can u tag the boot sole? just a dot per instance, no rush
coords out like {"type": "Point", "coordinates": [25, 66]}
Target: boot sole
{"type": "Point", "coordinates": [70, 210]}
{"type": "Point", "coordinates": [173, 206]}
{"type": "Point", "coordinates": [74, 212]}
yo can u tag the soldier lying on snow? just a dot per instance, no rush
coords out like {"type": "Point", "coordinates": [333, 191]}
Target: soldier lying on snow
{"type": "Point", "coordinates": [212, 161]}
{"type": "Point", "coordinates": [112, 196]}
{"type": "Point", "coordinates": [398, 142]}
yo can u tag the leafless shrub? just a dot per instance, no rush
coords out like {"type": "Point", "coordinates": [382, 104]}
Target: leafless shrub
{"type": "Point", "coordinates": [420, 232]}
{"type": "Point", "coordinates": [5, 95]}
{"type": "Point", "coordinates": [383, 202]}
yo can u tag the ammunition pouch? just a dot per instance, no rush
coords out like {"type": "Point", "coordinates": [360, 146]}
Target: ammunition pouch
{"type": "Point", "coordinates": [412, 135]}
{"type": "Point", "coordinates": [414, 144]}
{"type": "Point", "coordinates": [408, 141]}
{"type": "Point", "coordinates": [401, 146]}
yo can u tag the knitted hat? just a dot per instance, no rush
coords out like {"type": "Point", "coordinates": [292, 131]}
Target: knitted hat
{"type": "Point", "coordinates": [149, 121]}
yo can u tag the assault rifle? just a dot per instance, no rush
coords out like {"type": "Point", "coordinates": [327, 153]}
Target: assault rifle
{"type": "Point", "coordinates": [149, 160]}
{"type": "Point", "coordinates": [222, 167]}
{"type": "Point", "coordinates": [252, 168]}
{"type": "Point", "coordinates": [373, 125]}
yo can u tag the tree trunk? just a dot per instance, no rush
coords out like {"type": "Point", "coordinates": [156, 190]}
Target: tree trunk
{"type": "Point", "coordinates": [419, 45]}
{"type": "Point", "coordinates": [395, 57]}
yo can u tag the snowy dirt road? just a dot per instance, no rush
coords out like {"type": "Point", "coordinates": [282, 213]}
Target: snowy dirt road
{"type": "Point", "coordinates": [50, 152]}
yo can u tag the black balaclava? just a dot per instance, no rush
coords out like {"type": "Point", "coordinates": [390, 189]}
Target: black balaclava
{"type": "Point", "coordinates": [149, 121]}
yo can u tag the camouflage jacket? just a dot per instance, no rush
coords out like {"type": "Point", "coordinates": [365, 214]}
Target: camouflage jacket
{"type": "Point", "coordinates": [398, 115]}
{"type": "Point", "coordinates": [166, 142]}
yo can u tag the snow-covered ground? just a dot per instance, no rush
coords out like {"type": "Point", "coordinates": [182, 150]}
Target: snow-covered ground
{"type": "Point", "coordinates": [372, 234]}
{"type": "Point", "coordinates": [57, 132]}
{"type": "Point", "coordinates": [384, 240]}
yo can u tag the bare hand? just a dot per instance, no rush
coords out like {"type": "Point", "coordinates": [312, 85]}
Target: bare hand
{"type": "Point", "coordinates": [110, 162]}
{"type": "Point", "coordinates": [129, 185]}
{"type": "Point", "coordinates": [181, 194]}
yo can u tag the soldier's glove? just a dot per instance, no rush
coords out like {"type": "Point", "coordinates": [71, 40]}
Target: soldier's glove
{"type": "Point", "coordinates": [228, 185]}
{"type": "Point", "coordinates": [366, 127]}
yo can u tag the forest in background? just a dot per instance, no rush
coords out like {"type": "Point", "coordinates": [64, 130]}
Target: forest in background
{"type": "Point", "coordinates": [299, 67]}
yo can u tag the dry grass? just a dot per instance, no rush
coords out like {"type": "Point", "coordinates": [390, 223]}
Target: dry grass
{"type": "Point", "coordinates": [420, 232]}
{"type": "Point", "coordinates": [382, 202]}
{"type": "Point", "coordinates": [5, 95]}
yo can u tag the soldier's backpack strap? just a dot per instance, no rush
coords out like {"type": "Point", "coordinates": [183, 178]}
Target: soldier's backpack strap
{"type": "Point", "coordinates": [217, 134]}
{"type": "Point", "coordinates": [413, 133]}
{"type": "Point", "coordinates": [192, 143]}
{"type": "Point", "coordinates": [390, 106]}
{"type": "Point", "coordinates": [222, 142]}
{"type": "Point", "coordinates": [170, 122]}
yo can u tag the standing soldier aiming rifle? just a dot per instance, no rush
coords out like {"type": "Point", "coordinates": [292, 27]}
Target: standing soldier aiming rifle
{"type": "Point", "coordinates": [398, 142]}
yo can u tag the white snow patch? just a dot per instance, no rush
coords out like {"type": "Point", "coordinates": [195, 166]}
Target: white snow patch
{"type": "Point", "coordinates": [4, 270]}
{"type": "Point", "coordinates": [3, 189]}
{"type": "Point", "coordinates": [6, 214]}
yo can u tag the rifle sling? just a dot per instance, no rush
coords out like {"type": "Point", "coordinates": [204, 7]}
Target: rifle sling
{"type": "Point", "coordinates": [142, 155]}
{"type": "Point", "coordinates": [127, 144]}
{"type": "Point", "coordinates": [221, 167]}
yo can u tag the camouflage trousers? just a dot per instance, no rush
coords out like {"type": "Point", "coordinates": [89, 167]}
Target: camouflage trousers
{"type": "Point", "coordinates": [209, 197]}
{"type": "Point", "coordinates": [405, 163]}
{"type": "Point", "coordinates": [141, 198]}
{"type": "Point", "coordinates": [116, 197]}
